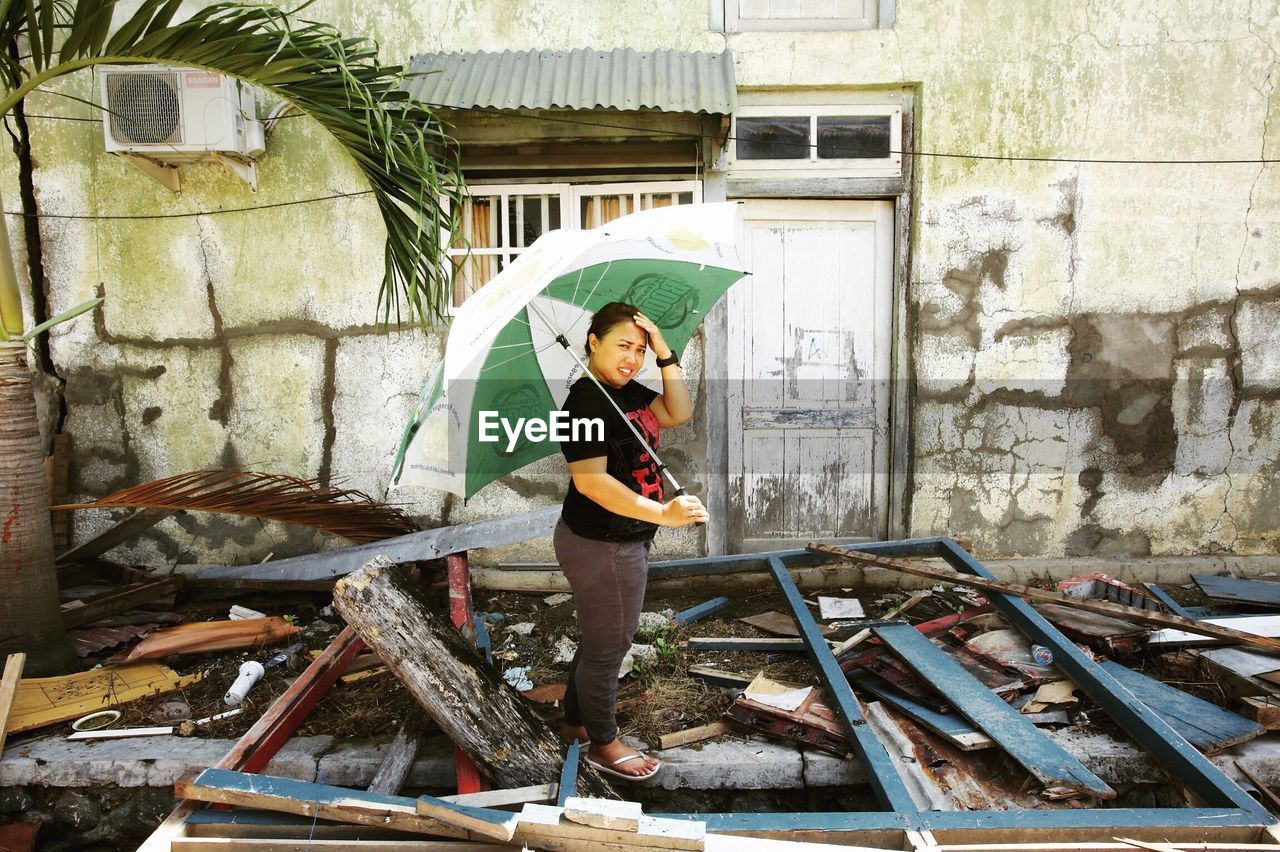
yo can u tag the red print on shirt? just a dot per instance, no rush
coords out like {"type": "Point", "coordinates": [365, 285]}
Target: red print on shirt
{"type": "Point", "coordinates": [647, 476]}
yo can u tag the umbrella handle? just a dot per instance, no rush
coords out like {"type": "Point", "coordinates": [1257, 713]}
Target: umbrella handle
{"type": "Point", "coordinates": [682, 491]}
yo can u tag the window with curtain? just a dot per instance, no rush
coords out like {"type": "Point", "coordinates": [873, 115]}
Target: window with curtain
{"type": "Point", "coordinates": [499, 222]}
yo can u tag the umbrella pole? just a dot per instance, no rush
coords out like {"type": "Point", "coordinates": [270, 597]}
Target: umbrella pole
{"type": "Point", "coordinates": [564, 341]}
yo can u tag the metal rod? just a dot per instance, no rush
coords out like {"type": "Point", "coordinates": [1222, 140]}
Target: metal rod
{"type": "Point", "coordinates": [563, 341]}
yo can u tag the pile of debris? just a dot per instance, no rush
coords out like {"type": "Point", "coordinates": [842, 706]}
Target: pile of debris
{"type": "Point", "coordinates": [944, 695]}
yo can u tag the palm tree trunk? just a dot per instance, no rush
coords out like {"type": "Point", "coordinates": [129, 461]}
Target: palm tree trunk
{"type": "Point", "coordinates": [30, 619]}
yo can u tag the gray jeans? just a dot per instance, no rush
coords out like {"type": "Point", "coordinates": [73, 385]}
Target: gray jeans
{"type": "Point", "coordinates": [608, 581]}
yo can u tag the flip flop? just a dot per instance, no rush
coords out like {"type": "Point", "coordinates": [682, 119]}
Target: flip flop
{"type": "Point", "coordinates": [609, 771]}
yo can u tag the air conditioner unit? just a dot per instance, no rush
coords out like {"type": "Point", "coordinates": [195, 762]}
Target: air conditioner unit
{"type": "Point", "coordinates": [157, 116]}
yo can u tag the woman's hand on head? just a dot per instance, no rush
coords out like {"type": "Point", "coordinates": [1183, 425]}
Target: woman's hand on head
{"type": "Point", "coordinates": [684, 510]}
{"type": "Point", "coordinates": [656, 343]}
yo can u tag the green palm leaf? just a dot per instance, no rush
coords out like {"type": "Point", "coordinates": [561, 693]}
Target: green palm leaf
{"type": "Point", "coordinates": [409, 160]}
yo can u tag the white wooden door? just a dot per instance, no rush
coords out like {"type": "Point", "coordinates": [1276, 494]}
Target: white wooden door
{"type": "Point", "coordinates": [809, 369]}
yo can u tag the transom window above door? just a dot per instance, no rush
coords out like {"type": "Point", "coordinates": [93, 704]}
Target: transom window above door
{"type": "Point", "coordinates": [501, 221]}
{"type": "Point", "coordinates": [863, 139]}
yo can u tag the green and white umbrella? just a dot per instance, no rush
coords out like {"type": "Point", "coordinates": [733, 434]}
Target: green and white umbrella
{"type": "Point", "coordinates": [516, 346]}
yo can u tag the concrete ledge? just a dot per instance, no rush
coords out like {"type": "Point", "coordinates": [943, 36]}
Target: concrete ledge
{"type": "Point", "coordinates": [754, 764]}
{"type": "Point", "coordinates": [141, 761]}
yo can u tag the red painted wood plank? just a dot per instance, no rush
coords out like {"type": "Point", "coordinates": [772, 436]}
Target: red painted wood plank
{"type": "Point", "coordinates": [469, 778]}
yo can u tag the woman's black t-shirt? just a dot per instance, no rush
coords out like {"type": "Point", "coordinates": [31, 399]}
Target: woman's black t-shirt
{"type": "Point", "coordinates": [627, 460]}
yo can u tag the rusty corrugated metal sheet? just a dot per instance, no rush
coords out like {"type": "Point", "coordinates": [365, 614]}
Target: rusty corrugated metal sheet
{"type": "Point", "coordinates": [624, 79]}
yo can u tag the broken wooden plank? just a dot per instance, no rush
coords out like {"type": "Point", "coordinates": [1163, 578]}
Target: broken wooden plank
{"type": "Point", "coordinates": [852, 642]}
{"type": "Point", "coordinates": [468, 699]}
{"type": "Point", "coordinates": [253, 751]}
{"type": "Point", "coordinates": [306, 844]}
{"type": "Point", "coordinates": [732, 680]}
{"type": "Point", "coordinates": [268, 792]}
{"type": "Point", "coordinates": [545, 825]}
{"type": "Point", "coordinates": [48, 700]}
{"type": "Point", "coordinates": [537, 793]}
{"type": "Point", "coordinates": [131, 526]}
{"type": "Point", "coordinates": [952, 727]}
{"type": "Point", "coordinates": [1206, 726]}
{"type": "Point", "coordinates": [1141, 616]}
{"type": "Point", "coordinates": [692, 735]}
{"type": "Point", "coordinates": [1271, 799]}
{"type": "Point", "coordinates": [1061, 775]}
{"type": "Point", "coordinates": [779, 624]}
{"type": "Point", "coordinates": [604, 813]}
{"type": "Point", "coordinates": [1263, 631]}
{"type": "Point", "coordinates": [734, 643]}
{"type": "Point", "coordinates": [1238, 591]}
{"type": "Point", "coordinates": [395, 766]}
{"type": "Point", "coordinates": [429, 544]}
{"type": "Point", "coordinates": [118, 600]}
{"type": "Point", "coordinates": [462, 615]}
{"type": "Point", "coordinates": [9, 681]}
{"type": "Point", "coordinates": [702, 610]}
{"type": "Point", "coordinates": [201, 637]}
{"type": "Point", "coordinates": [1265, 710]}
{"type": "Point", "coordinates": [568, 785]}
{"type": "Point", "coordinates": [487, 822]}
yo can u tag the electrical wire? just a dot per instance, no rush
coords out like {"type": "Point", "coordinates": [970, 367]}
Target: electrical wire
{"type": "Point", "coordinates": [952, 155]}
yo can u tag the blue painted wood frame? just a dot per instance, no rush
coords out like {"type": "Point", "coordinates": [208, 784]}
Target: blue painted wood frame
{"type": "Point", "coordinates": [1184, 762]}
{"type": "Point", "coordinates": [702, 610]}
{"type": "Point", "coordinates": [1200, 775]}
{"type": "Point", "coordinates": [1051, 765]}
{"type": "Point", "coordinates": [569, 774]}
{"type": "Point", "coordinates": [885, 780]}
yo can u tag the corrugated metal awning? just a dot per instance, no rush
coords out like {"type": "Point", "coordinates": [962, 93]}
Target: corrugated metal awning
{"type": "Point", "coordinates": [623, 79]}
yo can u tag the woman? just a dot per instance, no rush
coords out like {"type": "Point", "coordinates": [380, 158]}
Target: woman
{"type": "Point", "coordinates": [612, 509]}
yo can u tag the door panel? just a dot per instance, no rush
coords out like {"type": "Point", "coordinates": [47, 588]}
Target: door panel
{"type": "Point", "coordinates": [808, 373]}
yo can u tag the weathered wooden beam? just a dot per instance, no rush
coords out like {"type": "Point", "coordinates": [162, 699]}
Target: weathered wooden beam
{"type": "Point", "coordinates": [399, 759]}
{"type": "Point", "coordinates": [115, 535]}
{"type": "Point", "coordinates": [1140, 616]}
{"type": "Point", "coordinates": [468, 699]}
{"type": "Point", "coordinates": [429, 544]}
{"type": "Point", "coordinates": [118, 600]}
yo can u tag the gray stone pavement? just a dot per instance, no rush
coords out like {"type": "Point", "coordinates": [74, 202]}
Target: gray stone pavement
{"type": "Point", "coordinates": [754, 764]}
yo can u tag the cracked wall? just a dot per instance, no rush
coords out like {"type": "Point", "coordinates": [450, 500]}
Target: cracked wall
{"type": "Point", "coordinates": [1094, 352]}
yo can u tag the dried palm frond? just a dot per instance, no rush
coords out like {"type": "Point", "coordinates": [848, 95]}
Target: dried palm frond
{"type": "Point", "coordinates": [353, 515]}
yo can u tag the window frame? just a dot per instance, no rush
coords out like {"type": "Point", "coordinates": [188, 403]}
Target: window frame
{"type": "Point", "coordinates": [890, 166]}
{"type": "Point", "coordinates": [726, 16]}
{"type": "Point", "coordinates": [571, 195]}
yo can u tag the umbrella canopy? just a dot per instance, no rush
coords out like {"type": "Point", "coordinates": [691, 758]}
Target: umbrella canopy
{"type": "Point", "coordinates": [508, 366]}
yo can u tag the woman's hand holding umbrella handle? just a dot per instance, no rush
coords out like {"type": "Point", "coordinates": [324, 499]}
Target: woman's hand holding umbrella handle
{"type": "Point", "coordinates": [682, 510]}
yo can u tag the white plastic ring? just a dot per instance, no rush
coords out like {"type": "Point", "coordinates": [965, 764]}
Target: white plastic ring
{"type": "Point", "coordinates": [96, 721]}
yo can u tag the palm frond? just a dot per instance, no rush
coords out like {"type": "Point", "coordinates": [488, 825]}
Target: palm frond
{"type": "Point", "coordinates": [353, 515]}
{"type": "Point", "coordinates": [400, 145]}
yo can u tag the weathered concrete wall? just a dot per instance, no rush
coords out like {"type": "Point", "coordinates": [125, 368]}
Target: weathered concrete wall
{"type": "Point", "coordinates": [1094, 345]}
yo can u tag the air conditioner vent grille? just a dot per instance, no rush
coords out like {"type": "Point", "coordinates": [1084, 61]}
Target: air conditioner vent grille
{"type": "Point", "coordinates": [145, 108]}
